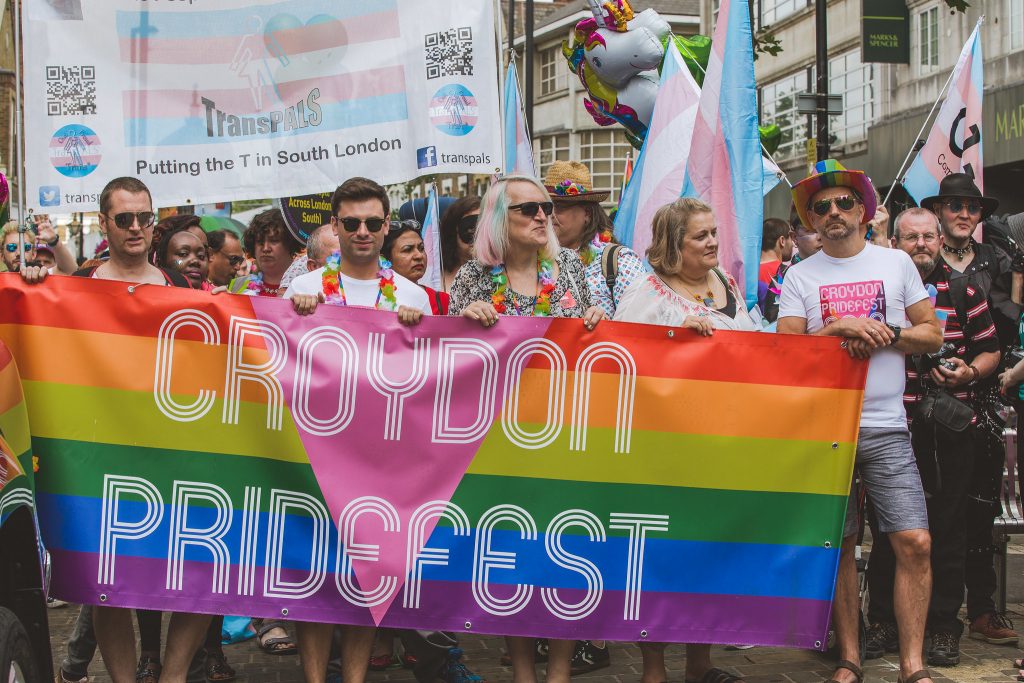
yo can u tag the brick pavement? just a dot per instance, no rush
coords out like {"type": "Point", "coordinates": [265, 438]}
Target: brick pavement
{"type": "Point", "coordinates": [980, 661]}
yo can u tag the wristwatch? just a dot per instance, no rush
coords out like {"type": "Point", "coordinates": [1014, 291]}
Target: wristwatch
{"type": "Point", "coordinates": [896, 330]}
{"type": "Point", "coordinates": [52, 244]}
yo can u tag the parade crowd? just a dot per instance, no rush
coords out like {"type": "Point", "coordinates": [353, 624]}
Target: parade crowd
{"type": "Point", "coordinates": [932, 310]}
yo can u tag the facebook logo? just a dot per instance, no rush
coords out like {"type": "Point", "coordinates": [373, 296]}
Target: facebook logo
{"type": "Point", "coordinates": [49, 195]}
{"type": "Point", "coordinates": [426, 157]}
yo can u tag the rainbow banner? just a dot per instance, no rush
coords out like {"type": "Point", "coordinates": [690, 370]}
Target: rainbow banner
{"type": "Point", "coordinates": [221, 454]}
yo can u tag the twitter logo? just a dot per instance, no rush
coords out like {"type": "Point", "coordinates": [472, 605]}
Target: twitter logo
{"type": "Point", "coordinates": [49, 195]}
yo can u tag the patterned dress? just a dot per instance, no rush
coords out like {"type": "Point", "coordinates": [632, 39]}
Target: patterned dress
{"type": "Point", "coordinates": [630, 268]}
{"type": "Point", "coordinates": [570, 299]}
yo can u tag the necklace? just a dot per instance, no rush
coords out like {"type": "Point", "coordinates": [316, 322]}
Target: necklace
{"type": "Point", "coordinates": [545, 285]}
{"type": "Point", "coordinates": [592, 250]}
{"type": "Point", "coordinates": [960, 252]}
{"type": "Point", "coordinates": [334, 288]}
{"type": "Point", "coordinates": [256, 285]}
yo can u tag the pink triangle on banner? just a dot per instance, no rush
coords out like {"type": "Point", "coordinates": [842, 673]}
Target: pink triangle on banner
{"type": "Point", "coordinates": [411, 469]}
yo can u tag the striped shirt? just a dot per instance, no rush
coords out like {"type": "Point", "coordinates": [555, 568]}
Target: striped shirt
{"type": "Point", "coordinates": [977, 336]}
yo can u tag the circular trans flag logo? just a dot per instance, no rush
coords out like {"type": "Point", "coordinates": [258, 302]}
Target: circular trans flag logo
{"type": "Point", "coordinates": [75, 151]}
{"type": "Point", "coordinates": [453, 111]}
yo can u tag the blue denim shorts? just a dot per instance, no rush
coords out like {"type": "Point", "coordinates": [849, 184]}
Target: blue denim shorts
{"type": "Point", "coordinates": [888, 470]}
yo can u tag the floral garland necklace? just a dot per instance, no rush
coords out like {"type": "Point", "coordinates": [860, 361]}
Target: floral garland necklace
{"type": "Point", "coordinates": [593, 250]}
{"type": "Point", "coordinates": [334, 289]}
{"type": "Point", "coordinates": [256, 285]}
{"type": "Point", "coordinates": [545, 286]}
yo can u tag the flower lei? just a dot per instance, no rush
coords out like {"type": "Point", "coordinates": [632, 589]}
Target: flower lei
{"type": "Point", "coordinates": [546, 285]}
{"type": "Point", "coordinates": [334, 289]}
{"type": "Point", "coordinates": [256, 285]}
{"type": "Point", "coordinates": [593, 250]}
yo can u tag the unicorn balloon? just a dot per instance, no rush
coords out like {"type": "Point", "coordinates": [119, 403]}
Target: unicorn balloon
{"type": "Point", "coordinates": [616, 55]}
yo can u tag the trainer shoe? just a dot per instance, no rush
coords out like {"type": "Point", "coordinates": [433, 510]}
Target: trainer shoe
{"type": "Point", "coordinates": [63, 678]}
{"type": "Point", "coordinates": [454, 671]}
{"type": "Point", "coordinates": [882, 638]}
{"type": "Point", "coordinates": [994, 628]}
{"type": "Point", "coordinates": [944, 650]}
{"type": "Point", "coordinates": [589, 657]}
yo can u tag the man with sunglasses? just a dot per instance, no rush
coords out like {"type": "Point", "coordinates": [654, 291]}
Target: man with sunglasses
{"type": "Point", "coordinates": [127, 219]}
{"type": "Point", "coordinates": [361, 210]}
{"type": "Point", "coordinates": [873, 298]}
{"type": "Point", "coordinates": [12, 246]}
{"type": "Point", "coordinates": [961, 207]}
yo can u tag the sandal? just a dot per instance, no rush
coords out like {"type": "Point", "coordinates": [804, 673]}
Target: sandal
{"type": "Point", "coordinates": [851, 667]}
{"type": "Point", "coordinates": [715, 675]}
{"type": "Point", "coordinates": [217, 667]}
{"type": "Point", "coordinates": [384, 662]}
{"type": "Point", "coordinates": [916, 676]}
{"type": "Point", "coordinates": [275, 646]}
{"type": "Point", "coordinates": [148, 670]}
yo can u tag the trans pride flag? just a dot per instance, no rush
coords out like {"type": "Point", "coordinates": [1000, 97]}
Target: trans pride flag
{"type": "Point", "coordinates": [657, 178]}
{"type": "Point", "coordinates": [725, 167]}
{"type": "Point", "coordinates": [955, 142]}
{"type": "Point", "coordinates": [518, 149]}
{"type": "Point", "coordinates": [431, 234]}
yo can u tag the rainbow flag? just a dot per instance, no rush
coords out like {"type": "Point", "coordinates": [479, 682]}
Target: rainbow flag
{"type": "Point", "coordinates": [16, 477]}
{"type": "Point", "coordinates": [221, 454]}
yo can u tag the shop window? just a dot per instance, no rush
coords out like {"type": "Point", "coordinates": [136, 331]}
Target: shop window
{"type": "Point", "coordinates": [774, 10]}
{"type": "Point", "coordinates": [779, 106]}
{"type": "Point", "coordinates": [1015, 24]}
{"type": "Point", "coordinates": [855, 81]}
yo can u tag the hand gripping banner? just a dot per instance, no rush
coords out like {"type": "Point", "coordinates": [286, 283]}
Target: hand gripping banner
{"type": "Point", "coordinates": [221, 454]}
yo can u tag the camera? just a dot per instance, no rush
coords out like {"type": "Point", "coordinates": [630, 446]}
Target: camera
{"type": "Point", "coordinates": [926, 362]}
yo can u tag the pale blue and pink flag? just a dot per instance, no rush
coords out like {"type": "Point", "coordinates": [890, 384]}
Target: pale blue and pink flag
{"type": "Point", "coordinates": [518, 148]}
{"type": "Point", "coordinates": [955, 142]}
{"type": "Point", "coordinates": [725, 166]}
{"type": "Point", "coordinates": [661, 167]}
{"type": "Point", "coordinates": [432, 243]}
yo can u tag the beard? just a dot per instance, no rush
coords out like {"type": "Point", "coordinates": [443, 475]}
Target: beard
{"type": "Point", "coordinates": [925, 264]}
{"type": "Point", "coordinates": [837, 230]}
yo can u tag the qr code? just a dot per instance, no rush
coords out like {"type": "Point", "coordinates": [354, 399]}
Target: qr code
{"type": "Point", "coordinates": [449, 53]}
{"type": "Point", "coordinates": [70, 90]}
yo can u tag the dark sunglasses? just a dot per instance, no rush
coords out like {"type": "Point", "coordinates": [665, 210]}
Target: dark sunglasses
{"type": "Point", "coordinates": [126, 219]}
{"type": "Point", "coordinates": [957, 205]}
{"type": "Point", "coordinates": [467, 228]}
{"type": "Point", "coordinates": [236, 261]}
{"type": "Point", "coordinates": [407, 224]}
{"type": "Point", "coordinates": [530, 208]}
{"type": "Point", "coordinates": [844, 203]}
{"type": "Point", "coordinates": [352, 224]}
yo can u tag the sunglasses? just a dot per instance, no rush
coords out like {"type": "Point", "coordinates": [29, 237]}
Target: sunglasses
{"type": "Point", "coordinates": [467, 228]}
{"type": "Point", "coordinates": [127, 219]}
{"type": "Point", "coordinates": [236, 261]}
{"type": "Point", "coordinates": [957, 205]}
{"type": "Point", "coordinates": [530, 208]}
{"type": "Point", "coordinates": [352, 224]}
{"type": "Point", "coordinates": [407, 224]}
{"type": "Point", "coordinates": [12, 247]}
{"type": "Point", "coordinates": [822, 207]}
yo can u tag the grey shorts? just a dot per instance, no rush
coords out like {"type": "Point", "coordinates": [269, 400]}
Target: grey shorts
{"type": "Point", "coordinates": [888, 470]}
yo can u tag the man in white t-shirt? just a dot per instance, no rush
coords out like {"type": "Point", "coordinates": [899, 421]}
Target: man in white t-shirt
{"type": "Point", "coordinates": [874, 299]}
{"type": "Point", "coordinates": [360, 210]}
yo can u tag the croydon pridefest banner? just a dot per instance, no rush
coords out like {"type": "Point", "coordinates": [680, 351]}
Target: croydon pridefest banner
{"type": "Point", "coordinates": [222, 454]}
{"type": "Point", "coordinates": [211, 100]}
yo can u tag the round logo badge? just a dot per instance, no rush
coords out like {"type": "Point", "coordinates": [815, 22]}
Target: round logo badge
{"type": "Point", "coordinates": [75, 151]}
{"type": "Point", "coordinates": [453, 110]}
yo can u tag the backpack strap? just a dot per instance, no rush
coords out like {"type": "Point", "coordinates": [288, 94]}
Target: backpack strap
{"type": "Point", "coordinates": [610, 266]}
{"type": "Point", "coordinates": [958, 293]}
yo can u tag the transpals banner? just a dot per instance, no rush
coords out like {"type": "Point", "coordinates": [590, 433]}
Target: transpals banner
{"type": "Point", "coordinates": [221, 454]}
{"type": "Point", "coordinates": [216, 100]}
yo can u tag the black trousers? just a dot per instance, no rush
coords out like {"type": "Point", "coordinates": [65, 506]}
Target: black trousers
{"type": "Point", "coordinates": [982, 509]}
{"type": "Point", "coordinates": [946, 461]}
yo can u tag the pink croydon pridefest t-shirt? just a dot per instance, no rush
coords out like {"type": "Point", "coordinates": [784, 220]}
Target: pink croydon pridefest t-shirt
{"type": "Point", "coordinates": [877, 283]}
